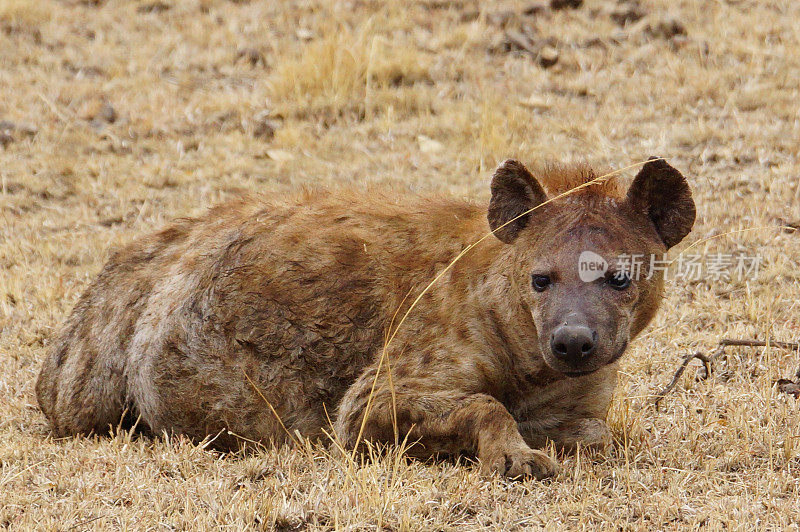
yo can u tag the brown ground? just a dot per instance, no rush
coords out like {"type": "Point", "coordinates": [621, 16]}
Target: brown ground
{"type": "Point", "coordinates": [121, 115]}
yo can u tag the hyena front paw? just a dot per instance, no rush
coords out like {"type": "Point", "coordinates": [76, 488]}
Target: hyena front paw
{"type": "Point", "coordinates": [519, 461]}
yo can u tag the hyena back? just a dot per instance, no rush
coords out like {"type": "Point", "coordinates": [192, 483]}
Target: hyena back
{"type": "Point", "coordinates": [265, 317]}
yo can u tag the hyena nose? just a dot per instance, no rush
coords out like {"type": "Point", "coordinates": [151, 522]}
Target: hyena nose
{"type": "Point", "coordinates": [573, 343]}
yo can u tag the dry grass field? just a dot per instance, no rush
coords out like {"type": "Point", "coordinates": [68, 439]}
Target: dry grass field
{"type": "Point", "coordinates": [120, 115]}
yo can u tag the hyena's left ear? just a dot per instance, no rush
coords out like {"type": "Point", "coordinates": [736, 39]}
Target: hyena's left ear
{"type": "Point", "coordinates": [514, 191]}
{"type": "Point", "coordinates": [662, 193]}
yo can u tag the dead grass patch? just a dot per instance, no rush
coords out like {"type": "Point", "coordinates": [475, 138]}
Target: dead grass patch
{"type": "Point", "coordinates": [25, 14]}
{"type": "Point", "coordinates": [349, 72]}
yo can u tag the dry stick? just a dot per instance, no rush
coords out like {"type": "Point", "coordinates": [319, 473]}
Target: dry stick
{"type": "Point", "coordinates": [522, 41]}
{"type": "Point", "coordinates": [686, 359]}
{"type": "Point", "coordinates": [231, 433]}
{"type": "Point", "coordinates": [466, 250]}
{"type": "Point", "coordinates": [725, 341]}
{"type": "Point", "coordinates": [85, 522]}
{"type": "Point", "coordinates": [708, 360]}
{"type": "Point", "coordinates": [759, 343]}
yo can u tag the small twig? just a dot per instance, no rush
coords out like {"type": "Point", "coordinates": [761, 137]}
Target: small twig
{"type": "Point", "coordinates": [708, 360]}
{"type": "Point", "coordinates": [522, 42]}
{"type": "Point", "coordinates": [86, 522]}
{"type": "Point", "coordinates": [759, 343]}
{"type": "Point", "coordinates": [686, 359]}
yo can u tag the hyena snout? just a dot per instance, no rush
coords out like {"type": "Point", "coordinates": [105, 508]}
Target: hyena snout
{"type": "Point", "coordinates": [576, 345]}
{"type": "Point", "coordinates": [573, 343]}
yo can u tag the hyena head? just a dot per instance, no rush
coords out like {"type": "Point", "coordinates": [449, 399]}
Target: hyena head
{"type": "Point", "coordinates": [589, 264]}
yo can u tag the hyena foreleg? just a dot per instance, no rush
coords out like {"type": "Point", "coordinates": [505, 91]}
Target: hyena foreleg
{"type": "Point", "coordinates": [447, 422]}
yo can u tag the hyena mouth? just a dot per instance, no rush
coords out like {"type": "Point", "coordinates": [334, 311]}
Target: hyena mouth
{"type": "Point", "coordinates": [617, 356]}
{"type": "Point", "coordinates": [579, 373]}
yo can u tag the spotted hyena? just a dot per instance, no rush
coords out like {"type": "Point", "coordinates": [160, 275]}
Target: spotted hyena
{"type": "Point", "coordinates": [268, 308]}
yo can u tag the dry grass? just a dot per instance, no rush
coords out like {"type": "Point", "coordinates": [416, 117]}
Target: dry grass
{"type": "Point", "coordinates": [421, 94]}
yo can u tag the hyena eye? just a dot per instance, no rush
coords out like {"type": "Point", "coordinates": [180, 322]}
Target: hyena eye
{"type": "Point", "coordinates": [619, 281]}
{"type": "Point", "coordinates": [540, 282]}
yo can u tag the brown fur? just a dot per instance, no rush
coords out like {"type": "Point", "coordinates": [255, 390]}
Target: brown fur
{"type": "Point", "coordinates": [297, 295]}
{"type": "Point", "coordinates": [558, 179]}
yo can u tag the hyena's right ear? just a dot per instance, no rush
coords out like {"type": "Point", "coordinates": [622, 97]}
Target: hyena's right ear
{"type": "Point", "coordinates": [514, 191]}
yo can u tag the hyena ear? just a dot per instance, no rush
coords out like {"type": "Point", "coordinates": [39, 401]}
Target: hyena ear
{"type": "Point", "coordinates": [514, 191]}
{"type": "Point", "coordinates": [662, 193]}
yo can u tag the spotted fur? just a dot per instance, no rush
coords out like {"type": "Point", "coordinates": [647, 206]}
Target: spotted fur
{"type": "Point", "coordinates": [268, 306]}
